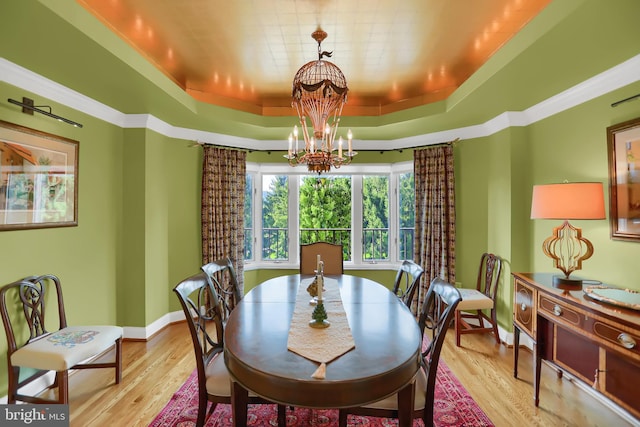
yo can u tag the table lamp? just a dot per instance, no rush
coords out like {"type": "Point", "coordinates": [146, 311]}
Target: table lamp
{"type": "Point", "coordinates": [567, 247]}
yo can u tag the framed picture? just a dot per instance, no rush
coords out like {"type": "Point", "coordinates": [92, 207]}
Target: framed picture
{"type": "Point", "coordinates": [623, 144]}
{"type": "Point", "coordinates": [38, 179]}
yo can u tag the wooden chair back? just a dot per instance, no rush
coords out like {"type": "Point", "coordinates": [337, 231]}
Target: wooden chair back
{"type": "Point", "coordinates": [406, 282]}
{"type": "Point", "coordinates": [222, 276]}
{"type": "Point", "coordinates": [331, 255]}
{"type": "Point", "coordinates": [436, 316]}
{"type": "Point", "coordinates": [30, 295]}
{"type": "Point", "coordinates": [489, 275]}
{"type": "Point", "coordinates": [203, 311]}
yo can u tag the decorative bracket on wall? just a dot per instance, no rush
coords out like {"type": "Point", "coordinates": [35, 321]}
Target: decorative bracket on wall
{"type": "Point", "coordinates": [29, 108]}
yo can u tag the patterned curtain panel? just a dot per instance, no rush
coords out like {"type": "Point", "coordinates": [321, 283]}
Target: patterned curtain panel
{"type": "Point", "coordinates": [223, 186]}
{"type": "Point", "coordinates": [435, 240]}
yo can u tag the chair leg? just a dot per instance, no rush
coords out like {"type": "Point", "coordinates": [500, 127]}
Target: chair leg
{"type": "Point", "coordinates": [458, 326]}
{"type": "Point", "coordinates": [63, 386]}
{"type": "Point", "coordinates": [212, 408]}
{"type": "Point", "coordinates": [494, 323]}
{"type": "Point", "coordinates": [12, 388]}
{"type": "Point", "coordinates": [118, 360]}
{"type": "Point", "coordinates": [282, 416]}
{"type": "Point", "coordinates": [202, 409]}
{"type": "Point", "coordinates": [342, 418]}
{"type": "Point", "coordinates": [427, 418]}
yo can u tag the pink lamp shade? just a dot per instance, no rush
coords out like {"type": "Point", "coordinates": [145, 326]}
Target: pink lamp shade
{"type": "Point", "coordinates": [572, 200]}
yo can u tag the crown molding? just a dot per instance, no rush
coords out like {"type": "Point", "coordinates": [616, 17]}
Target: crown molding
{"type": "Point", "coordinates": [614, 78]}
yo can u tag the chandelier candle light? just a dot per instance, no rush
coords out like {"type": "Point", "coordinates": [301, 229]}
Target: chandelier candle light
{"type": "Point", "coordinates": [319, 93]}
{"type": "Point", "coordinates": [567, 247]}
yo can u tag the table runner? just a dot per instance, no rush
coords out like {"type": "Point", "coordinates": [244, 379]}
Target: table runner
{"type": "Point", "coordinates": [320, 345]}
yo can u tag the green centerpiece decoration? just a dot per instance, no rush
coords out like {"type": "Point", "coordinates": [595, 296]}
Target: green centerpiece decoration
{"type": "Point", "coordinates": [319, 315]}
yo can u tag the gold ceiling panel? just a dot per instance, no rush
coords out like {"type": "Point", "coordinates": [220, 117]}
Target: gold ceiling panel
{"type": "Point", "coordinates": [244, 53]}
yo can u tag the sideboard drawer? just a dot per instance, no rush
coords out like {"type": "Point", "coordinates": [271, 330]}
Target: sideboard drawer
{"type": "Point", "coordinates": [618, 338]}
{"type": "Point", "coordinates": [524, 308]}
{"type": "Point", "coordinates": [560, 312]}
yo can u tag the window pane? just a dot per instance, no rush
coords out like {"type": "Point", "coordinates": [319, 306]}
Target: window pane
{"type": "Point", "coordinates": [248, 218]}
{"type": "Point", "coordinates": [375, 218]}
{"type": "Point", "coordinates": [406, 216]}
{"type": "Point", "coordinates": [325, 211]}
{"type": "Point", "coordinates": [275, 217]}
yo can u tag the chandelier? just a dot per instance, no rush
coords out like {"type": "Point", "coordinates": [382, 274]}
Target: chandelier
{"type": "Point", "coordinates": [319, 93]}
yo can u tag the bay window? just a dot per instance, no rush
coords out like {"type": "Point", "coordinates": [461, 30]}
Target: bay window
{"type": "Point", "coordinates": [370, 211]}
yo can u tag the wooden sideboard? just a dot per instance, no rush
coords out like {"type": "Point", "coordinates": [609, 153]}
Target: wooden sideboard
{"type": "Point", "coordinates": [596, 342]}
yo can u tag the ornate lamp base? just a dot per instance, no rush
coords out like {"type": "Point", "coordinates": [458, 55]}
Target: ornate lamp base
{"type": "Point", "coordinates": [567, 283]}
{"type": "Point", "coordinates": [568, 249]}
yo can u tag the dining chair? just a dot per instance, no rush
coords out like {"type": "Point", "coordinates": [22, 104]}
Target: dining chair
{"type": "Point", "coordinates": [434, 319]}
{"type": "Point", "coordinates": [330, 253]}
{"type": "Point", "coordinates": [407, 279]}
{"type": "Point", "coordinates": [203, 312]}
{"type": "Point", "coordinates": [33, 351]}
{"type": "Point", "coordinates": [483, 297]}
{"type": "Point", "coordinates": [222, 276]}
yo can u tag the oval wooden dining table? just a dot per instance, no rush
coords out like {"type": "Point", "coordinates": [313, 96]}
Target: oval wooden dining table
{"type": "Point", "coordinates": [384, 361]}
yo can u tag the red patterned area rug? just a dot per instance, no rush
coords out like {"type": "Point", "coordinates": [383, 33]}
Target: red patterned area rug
{"type": "Point", "coordinates": [453, 406]}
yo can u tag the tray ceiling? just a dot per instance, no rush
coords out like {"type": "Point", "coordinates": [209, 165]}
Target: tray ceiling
{"type": "Point", "coordinates": [244, 54]}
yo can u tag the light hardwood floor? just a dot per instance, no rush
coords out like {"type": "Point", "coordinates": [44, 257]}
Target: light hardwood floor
{"type": "Point", "coordinates": [154, 370]}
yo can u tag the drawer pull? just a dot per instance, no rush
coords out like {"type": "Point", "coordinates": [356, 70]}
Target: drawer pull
{"type": "Point", "coordinates": [626, 341]}
{"type": "Point", "coordinates": [523, 307]}
{"type": "Point", "coordinates": [557, 310]}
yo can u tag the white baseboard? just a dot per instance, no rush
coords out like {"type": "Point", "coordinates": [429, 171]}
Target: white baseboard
{"type": "Point", "coordinates": [144, 333]}
{"type": "Point", "coordinates": [507, 338]}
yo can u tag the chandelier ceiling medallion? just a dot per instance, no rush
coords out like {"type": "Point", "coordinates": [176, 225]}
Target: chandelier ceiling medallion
{"type": "Point", "coordinates": [319, 93]}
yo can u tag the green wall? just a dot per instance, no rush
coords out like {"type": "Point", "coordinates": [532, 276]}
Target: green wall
{"type": "Point", "coordinates": [573, 146]}
{"type": "Point", "coordinates": [84, 257]}
{"type": "Point", "coordinates": [139, 215]}
{"type": "Point", "coordinates": [161, 223]}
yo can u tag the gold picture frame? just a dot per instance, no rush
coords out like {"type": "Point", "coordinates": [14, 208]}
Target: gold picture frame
{"type": "Point", "coordinates": [623, 146]}
{"type": "Point", "coordinates": [38, 179]}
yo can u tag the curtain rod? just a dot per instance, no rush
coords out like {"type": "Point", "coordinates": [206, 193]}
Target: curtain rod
{"type": "Point", "coordinates": [251, 150]}
{"type": "Point", "coordinates": [226, 147]}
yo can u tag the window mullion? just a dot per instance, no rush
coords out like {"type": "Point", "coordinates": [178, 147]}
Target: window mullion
{"type": "Point", "coordinates": [257, 219]}
{"type": "Point", "coordinates": [294, 219]}
{"type": "Point", "coordinates": [394, 216]}
{"type": "Point", "coordinates": [356, 219]}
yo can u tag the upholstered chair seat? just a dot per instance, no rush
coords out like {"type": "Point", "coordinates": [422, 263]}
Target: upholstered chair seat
{"type": "Point", "coordinates": [66, 348]}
